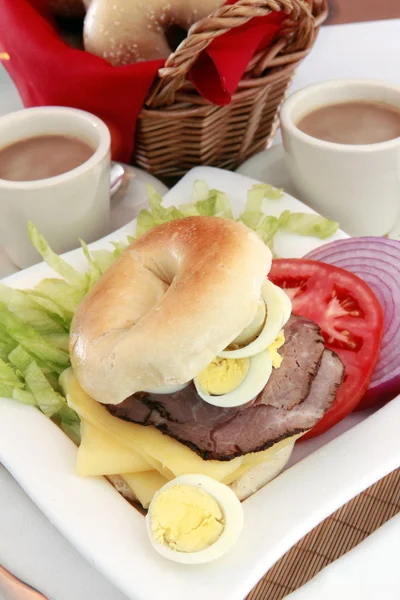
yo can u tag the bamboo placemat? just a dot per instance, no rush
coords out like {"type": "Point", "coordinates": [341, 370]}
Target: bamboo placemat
{"type": "Point", "coordinates": [335, 536]}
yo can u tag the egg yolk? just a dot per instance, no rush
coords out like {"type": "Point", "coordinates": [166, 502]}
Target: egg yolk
{"type": "Point", "coordinates": [276, 358]}
{"type": "Point", "coordinates": [186, 518]}
{"type": "Point", "coordinates": [223, 375]}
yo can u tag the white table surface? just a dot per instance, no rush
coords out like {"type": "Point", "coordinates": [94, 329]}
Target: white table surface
{"type": "Point", "coordinates": [29, 545]}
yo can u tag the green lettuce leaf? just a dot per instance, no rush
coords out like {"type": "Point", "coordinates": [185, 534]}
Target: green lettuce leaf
{"type": "Point", "coordinates": [23, 396]}
{"type": "Point", "coordinates": [32, 341]}
{"type": "Point", "coordinates": [58, 264]}
{"type": "Point", "coordinates": [5, 350]}
{"type": "Point", "coordinates": [61, 293]}
{"type": "Point", "coordinates": [267, 231]}
{"type": "Point", "coordinates": [70, 423]}
{"type": "Point", "coordinates": [200, 191]}
{"type": "Point", "coordinates": [157, 214]}
{"type": "Point", "coordinates": [103, 259]}
{"type": "Point", "coordinates": [9, 376]}
{"type": "Point", "coordinates": [7, 343]}
{"type": "Point", "coordinates": [261, 191]}
{"type": "Point", "coordinates": [93, 272]}
{"type": "Point", "coordinates": [46, 398]}
{"type": "Point", "coordinates": [252, 214]}
{"type": "Point", "coordinates": [307, 224]}
{"type": "Point", "coordinates": [119, 248]}
{"type": "Point", "coordinates": [29, 311]}
{"type": "Point", "coordinates": [145, 222]}
{"type": "Point", "coordinates": [58, 340]}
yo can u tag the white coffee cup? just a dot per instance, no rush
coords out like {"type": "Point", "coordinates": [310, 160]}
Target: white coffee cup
{"type": "Point", "coordinates": [66, 207]}
{"type": "Point", "coordinates": [357, 185]}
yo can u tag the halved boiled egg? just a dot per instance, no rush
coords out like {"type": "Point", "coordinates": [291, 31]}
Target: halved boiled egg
{"type": "Point", "coordinates": [194, 519]}
{"type": "Point", "coordinates": [232, 382]}
{"type": "Point", "coordinates": [286, 302]}
{"type": "Point", "coordinates": [278, 310]}
{"type": "Point", "coordinates": [253, 330]}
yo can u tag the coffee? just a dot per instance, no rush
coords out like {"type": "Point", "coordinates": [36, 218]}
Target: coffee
{"type": "Point", "coordinates": [353, 122]}
{"type": "Point", "coordinates": [42, 157]}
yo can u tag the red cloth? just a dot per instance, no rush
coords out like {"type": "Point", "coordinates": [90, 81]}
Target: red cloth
{"type": "Point", "coordinates": [218, 70]}
{"type": "Point", "coordinates": [47, 72]}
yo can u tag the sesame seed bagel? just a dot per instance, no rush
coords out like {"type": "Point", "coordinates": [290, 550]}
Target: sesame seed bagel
{"type": "Point", "coordinates": [128, 31]}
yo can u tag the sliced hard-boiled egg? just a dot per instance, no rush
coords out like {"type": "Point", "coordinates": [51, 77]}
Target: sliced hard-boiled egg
{"type": "Point", "coordinates": [273, 350]}
{"type": "Point", "coordinates": [243, 380]}
{"type": "Point", "coordinates": [286, 303]}
{"type": "Point", "coordinates": [278, 307]}
{"type": "Point", "coordinates": [194, 519]}
{"type": "Point", "coordinates": [253, 329]}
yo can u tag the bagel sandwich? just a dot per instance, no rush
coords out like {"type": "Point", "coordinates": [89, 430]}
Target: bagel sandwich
{"type": "Point", "coordinates": [187, 359]}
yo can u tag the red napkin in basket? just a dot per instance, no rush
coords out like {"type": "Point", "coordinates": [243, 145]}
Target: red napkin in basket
{"type": "Point", "coordinates": [47, 72]}
{"type": "Point", "coordinates": [217, 72]}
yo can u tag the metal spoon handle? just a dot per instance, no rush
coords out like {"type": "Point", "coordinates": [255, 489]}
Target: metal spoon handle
{"type": "Point", "coordinates": [15, 589]}
{"type": "Point", "coordinates": [117, 173]}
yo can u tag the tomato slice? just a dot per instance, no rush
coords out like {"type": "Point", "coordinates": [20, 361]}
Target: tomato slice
{"type": "Point", "coordinates": [350, 318]}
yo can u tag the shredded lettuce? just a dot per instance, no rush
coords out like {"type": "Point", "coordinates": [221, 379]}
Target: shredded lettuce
{"type": "Point", "coordinates": [200, 190]}
{"type": "Point", "coordinates": [36, 390]}
{"type": "Point", "coordinates": [34, 324]}
{"type": "Point", "coordinates": [9, 377]}
{"type": "Point", "coordinates": [157, 214]}
{"type": "Point", "coordinates": [267, 230]}
{"type": "Point", "coordinates": [93, 272]}
{"type": "Point", "coordinates": [264, 190]}
{"type": "Point", "coordinates": [307, 224]}
{"type": "Point", "coordinates": [58, 264]}
{"type": "Point", "coordinates": [42, 318]}
{"type": "Point", "coordinates": [69, 422]}
{"type": "Point", "coordinates": [103, 259]}
{"type": "Point", "coordinates": [63, 294]}
{"type": "Point", "coordinates": [33, 342]}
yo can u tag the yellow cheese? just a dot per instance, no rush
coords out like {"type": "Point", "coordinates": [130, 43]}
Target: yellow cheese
{"type": "Point", "coordinates": [276, 358]}
{"type": "Point", "coordinates": [155, 464]}
{"type": "Point", "coordinates": [255, 458]}
{"type": "Point", "coordinates": [101, 454]}
{"type": "Point", "coordinates": [145, 485]}
{"type": "Point", "coordinates": [146, 441]}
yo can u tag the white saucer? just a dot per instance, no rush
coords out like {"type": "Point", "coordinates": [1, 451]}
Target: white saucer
{"type": "Point", "coordinates": [269, 166]}
{"type": "Point", "coordinates": [125, 206]}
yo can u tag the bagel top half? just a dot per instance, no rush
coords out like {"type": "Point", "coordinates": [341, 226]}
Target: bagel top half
{"type": "Point", "coordinates": [161, 313]}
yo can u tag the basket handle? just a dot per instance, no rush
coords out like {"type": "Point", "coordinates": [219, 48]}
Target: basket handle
{"type": "Point", "coordinates": [298, 30]}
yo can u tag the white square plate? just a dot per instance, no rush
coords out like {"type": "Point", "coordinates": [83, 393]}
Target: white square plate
{"type": "Point", "coordinates": [111, 534]}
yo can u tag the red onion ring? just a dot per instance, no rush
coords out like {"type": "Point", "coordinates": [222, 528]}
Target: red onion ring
{"type": "Point", "coordinates": [377, 262]}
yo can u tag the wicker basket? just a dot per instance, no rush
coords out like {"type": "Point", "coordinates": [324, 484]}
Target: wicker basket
{"type": "Point", "coordinates": [179, 129]}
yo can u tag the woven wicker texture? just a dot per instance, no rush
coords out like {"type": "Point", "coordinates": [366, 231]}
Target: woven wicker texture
{"type": "Point", "coordinates": [335, 536]}
{"type": "Point", "coordinates": [179, 129]}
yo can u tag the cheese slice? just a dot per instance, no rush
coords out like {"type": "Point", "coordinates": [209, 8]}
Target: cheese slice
{"type": "Point", "coordinates": [101, 454]}
{"type": "Point", "coordinates": [145, 485]}
{"type": "Point", "coordinates": [150, 443]}
{"type": "Point", "coordinates": [256, 458]}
